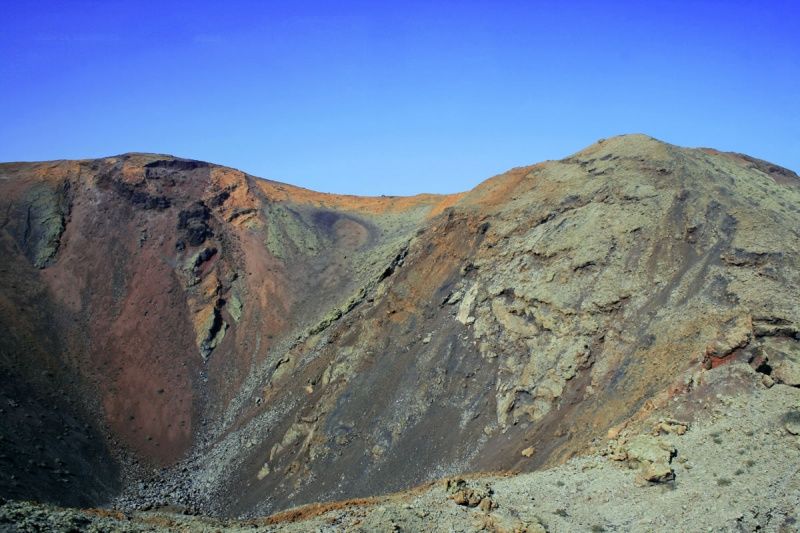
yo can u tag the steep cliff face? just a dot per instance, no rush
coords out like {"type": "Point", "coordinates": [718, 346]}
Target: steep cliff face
{"type": "Point", "coordinates": [262, 346]}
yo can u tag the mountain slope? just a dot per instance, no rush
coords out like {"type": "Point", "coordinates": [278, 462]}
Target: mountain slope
{"type": "Point", "coordinates": [243, 346]}
{"type": "Point", "coordinates": [734, 460]}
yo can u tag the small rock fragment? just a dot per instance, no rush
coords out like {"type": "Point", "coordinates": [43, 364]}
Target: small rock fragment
{"type": "Point", "coordinates": [462, 494]}
{"type": "Point", "coordinates": [791, 421]}
{"type": "Point", "coordinates": [264, 471]}
{"type": "Point", "coordinates": [670, 426]}
{"type": "Point", "coordinates": [653, 456]}
{"type": "Point", "coordinates": [528, 452]}
{"type": "Point", "coordinates": [658, 473]}
{"type": "Point", "coordinates": [486, 505]}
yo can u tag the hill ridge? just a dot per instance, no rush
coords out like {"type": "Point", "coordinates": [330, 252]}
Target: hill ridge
{"type": "Point", "coordinates": [240, 346]}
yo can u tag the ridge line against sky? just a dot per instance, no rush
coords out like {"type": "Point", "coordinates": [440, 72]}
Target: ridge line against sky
{"type": "Point", "coordinates": [394, 98]}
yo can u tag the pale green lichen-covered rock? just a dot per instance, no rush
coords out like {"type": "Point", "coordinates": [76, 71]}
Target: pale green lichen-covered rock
{"type": "Point", "coordinates": [287, 232]}
{"type": "Point", "coordinates": [235, 307]}
{"type": "Point", "coordinates": [39, 226]}
{"type": "Point", "coordinates": [653, 455]}
{"type": "Point", "coordinates": [210, 330]}
{"type": "Point", "coordinates": [783, 357]}
{"type": "Point", "coordinates": [649, 449]}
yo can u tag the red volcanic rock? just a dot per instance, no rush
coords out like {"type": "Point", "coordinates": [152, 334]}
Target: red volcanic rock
{"type": "Point", "coordinates": [183, 333]}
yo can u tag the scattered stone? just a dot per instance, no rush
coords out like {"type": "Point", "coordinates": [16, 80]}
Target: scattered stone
{"type": "Point", "coordinates": [786, 372]}
{"type": "Point", "coordinates": [647, 448]}
{"type": "Point", "coordinates": [658, 473]}
{"type": "Point", "coordinates": [528, 452]}
{"type": "Point", "coordinates": [791, 421]}
{"type": "Point", "coordinates": [455, 297]}
{"type": "Point", "coordinates": [653, 457]}
{"type": "Point", "coordinates": [467, 496]}
{"type": "Point", "coordinates": [670, 426]}
{"type": "Point", "coordinates": [486, 505]}
{"type": "Point", "coordinates": [264, 471]}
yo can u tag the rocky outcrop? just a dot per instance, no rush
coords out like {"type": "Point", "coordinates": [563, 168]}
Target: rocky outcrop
{"type": "Point", "coordinates": [37, 222]}
{"type": "Point", "coordinates": [462, 494]}
{"type": "Point", "coordinates": [193, 225]}
{"type": "Point", "coordinates": [262, 346]}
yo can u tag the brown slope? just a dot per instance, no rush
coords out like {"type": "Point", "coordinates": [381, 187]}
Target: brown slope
{"type": "Point", "coordinates": [163, 282]}
{"type": "Point", "coordinates": [302, 347]}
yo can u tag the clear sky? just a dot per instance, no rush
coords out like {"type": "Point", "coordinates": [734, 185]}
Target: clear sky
{"type": "Point", "coordinates": [394, 97]}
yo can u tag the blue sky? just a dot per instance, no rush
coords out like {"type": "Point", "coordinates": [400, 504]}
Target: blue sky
{"type": "Point", "coordinates": [394, 97]}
